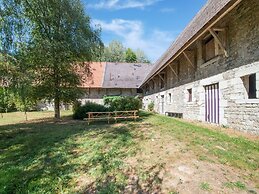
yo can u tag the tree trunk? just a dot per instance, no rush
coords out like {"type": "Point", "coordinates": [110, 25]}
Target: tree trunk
{"type": "Point", "coordinates": [57, 107]}
{"type": "Point", "coordinates": [2, 116]}
{"type": "Point", "coordinates": [26, 117]}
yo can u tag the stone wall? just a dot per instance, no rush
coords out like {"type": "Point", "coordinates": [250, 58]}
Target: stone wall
{"type": "Point", "coordinates": [241, 40]}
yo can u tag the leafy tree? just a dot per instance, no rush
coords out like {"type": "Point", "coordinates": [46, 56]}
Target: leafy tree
{"type": "Point", "coordinates": [59, 39]}
{"type": "Point", "coordinates": [7, 72]}
{"type": "Point", "coordinates": [141, 56]}
{"type": "Point", "coordinates": [130, 56]}
{"type": "Point", "coordinates": [114, 52]}
{"type": "Point", "coordinates": [14, 36]}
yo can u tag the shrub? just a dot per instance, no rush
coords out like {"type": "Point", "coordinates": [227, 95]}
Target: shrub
{"type": "Point", "coordinates": [122, 103]}
{"type": "Point", "coordinates": [151, 106]}
{"type": "Point", "coordinates": [80, 111]}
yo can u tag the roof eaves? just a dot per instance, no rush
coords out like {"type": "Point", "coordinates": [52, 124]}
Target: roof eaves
{"type": "Point", "coordinates": [171, 52]}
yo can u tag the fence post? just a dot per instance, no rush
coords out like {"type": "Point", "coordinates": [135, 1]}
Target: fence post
{"type": "Point", "coordinates": [89, 118]}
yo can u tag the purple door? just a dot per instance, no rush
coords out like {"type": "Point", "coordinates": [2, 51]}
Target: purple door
{"type": "Point", "coordinates": [212, 103]}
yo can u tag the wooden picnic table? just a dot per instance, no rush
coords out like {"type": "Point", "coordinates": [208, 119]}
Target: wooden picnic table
{"type": "Point", "coordinates": [115, 115]}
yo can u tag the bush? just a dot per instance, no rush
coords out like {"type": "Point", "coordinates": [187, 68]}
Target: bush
{"type": "Point", "coordinates": [80, 111]}
{"type": "Point", "coordinates": [151, 106]}
{"type": "Point", "coordinates": [122, 103]}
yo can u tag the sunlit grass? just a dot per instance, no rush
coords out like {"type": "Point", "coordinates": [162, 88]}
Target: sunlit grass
{"type": "Point", "coordinates": [18, 117]}
{"type": "Point", "coordinates": [70, 156]}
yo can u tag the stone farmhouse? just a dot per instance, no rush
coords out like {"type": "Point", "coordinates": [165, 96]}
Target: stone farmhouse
{"type": "Point", "coordinates": [211, 72]}
{"type": "Point", "coordinates": [99, 79]}
{"type": "Point", "coordinates": [113, 79]}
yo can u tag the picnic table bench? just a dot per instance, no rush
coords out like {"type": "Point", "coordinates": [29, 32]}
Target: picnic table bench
{"type": "Point", "coordinates": [115, 115]}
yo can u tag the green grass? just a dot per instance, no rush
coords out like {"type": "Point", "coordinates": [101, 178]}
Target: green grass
{"type": "Point", "coordinates": [63, 157]}
{"type": "Point", "coordinates": [234, 151]}
{"type": "Point", "coordinates": [18, 117]}
{"type": "Point", "coordinates": [239, 185]}
{"type": "Point", "coordinates": [205, 186]}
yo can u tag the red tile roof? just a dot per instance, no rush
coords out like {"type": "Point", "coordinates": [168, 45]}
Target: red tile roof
{"type": "Point", "coordinates": [92, 74]}
{"type": "Point", "coordinates": [112, 75]}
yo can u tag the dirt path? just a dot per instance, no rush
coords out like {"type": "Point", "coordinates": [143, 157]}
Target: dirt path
{"type": "Point", "coordinates": [165, 165]}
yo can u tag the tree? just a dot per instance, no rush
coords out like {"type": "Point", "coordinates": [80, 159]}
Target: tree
{"type": "Point", "coordinates": [130, 56]}
{"type": "Point", "coordinates": [114, 52]}
{"type": "Point", "coordinates": [141, 56]}
{"type": "Point", "coordinates": [14, 36]}
{"type": "Point", "coordinates": [60, 37]}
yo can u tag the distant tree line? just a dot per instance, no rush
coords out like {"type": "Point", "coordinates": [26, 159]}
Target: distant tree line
{"type": "Point", "coordinates": [116, 52]}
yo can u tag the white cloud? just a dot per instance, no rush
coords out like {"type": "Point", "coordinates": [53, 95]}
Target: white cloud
{"type": "Point", "coordinates": [122, 4]}
{"type": "Point", "coordinates": [132, 34]}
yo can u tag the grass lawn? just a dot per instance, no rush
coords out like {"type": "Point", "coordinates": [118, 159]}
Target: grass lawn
{"type": "Point", "coordinates": [18, 117]}
{"type": "Point", "coordinates": [156, 154]}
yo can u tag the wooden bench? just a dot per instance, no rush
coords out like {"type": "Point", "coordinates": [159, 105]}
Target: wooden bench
{"type": "Point", "coordinates": [115, 115]}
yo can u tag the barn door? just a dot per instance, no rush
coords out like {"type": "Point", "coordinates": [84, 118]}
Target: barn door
{"type": "Point", "coordinates": [212, 103]}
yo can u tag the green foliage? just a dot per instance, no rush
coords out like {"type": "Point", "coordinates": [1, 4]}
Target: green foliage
{"type": "Point", "coordinates": [51, 38]}
{"type": "Point", "coordinates": [80, 112]}
{"type": "Point", "coordinates": [141, 56]}
{"type": "Point", "coordinates": [130, 56]}
{"type": "Point", "coordinates": [116, 52]}
{"type": "Point", "coordinates": [151, 106]}
{"type": "Point", "coordinates": [122, 103]}
{"type": "Point", "coordinates": [7, 100]}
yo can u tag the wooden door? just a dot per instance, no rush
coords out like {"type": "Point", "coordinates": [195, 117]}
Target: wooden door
{"type": "Point", "coordinates": [212, 103]}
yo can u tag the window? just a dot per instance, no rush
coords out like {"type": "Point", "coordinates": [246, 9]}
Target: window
{"type": "Point", "coordinates": [252, 86]}
{"type": "Point", "coordinates": [209, 48]}
{"type": "Point", "coordinates": [251, 83]}
{"type": "Point", "coordinates": [189, 95]}
{"type": "Point", "coordinates": [170, 98]}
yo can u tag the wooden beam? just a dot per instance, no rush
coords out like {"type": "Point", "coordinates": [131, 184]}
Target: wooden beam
{"type": "Point", "coordinates": [188, 59]}
{"type": "Point", "coordinates": [161, 77]}
{"type": "Point", "coordinates": [172, 69]}
{"type": "Point", "coordinates": [217, 39]}
{"type": "Point", "coordinates": [219, 29]}
{"type": "Point", "coordinates": [199, 36]}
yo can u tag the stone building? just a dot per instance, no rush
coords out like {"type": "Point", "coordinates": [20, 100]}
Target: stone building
{"type": "Point", "coordinates": [211, 72]}
{"type": "Point", "coordinates": [113, 79]}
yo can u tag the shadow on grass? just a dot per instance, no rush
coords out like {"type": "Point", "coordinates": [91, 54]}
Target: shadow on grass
{"type": "Point", "coordinates": [39, 156]}
{"type": "Point", "coordinates": [35, 155]}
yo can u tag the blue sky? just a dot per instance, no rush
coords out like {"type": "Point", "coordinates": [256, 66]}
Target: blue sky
{"type": "Point", "coordinates": [150, 25]}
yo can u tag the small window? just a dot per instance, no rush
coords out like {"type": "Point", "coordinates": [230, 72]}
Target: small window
{"type": "Point", "coordinates": [252, 86]}
{"type": "Point", "coordinates": [251, 83]}
{"type": "Point", "coordinates": [170, 98]}
{"type": "Point", "coordinates": [189, 95]}
{"type": "Point", "coordinates": [209, 48]}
